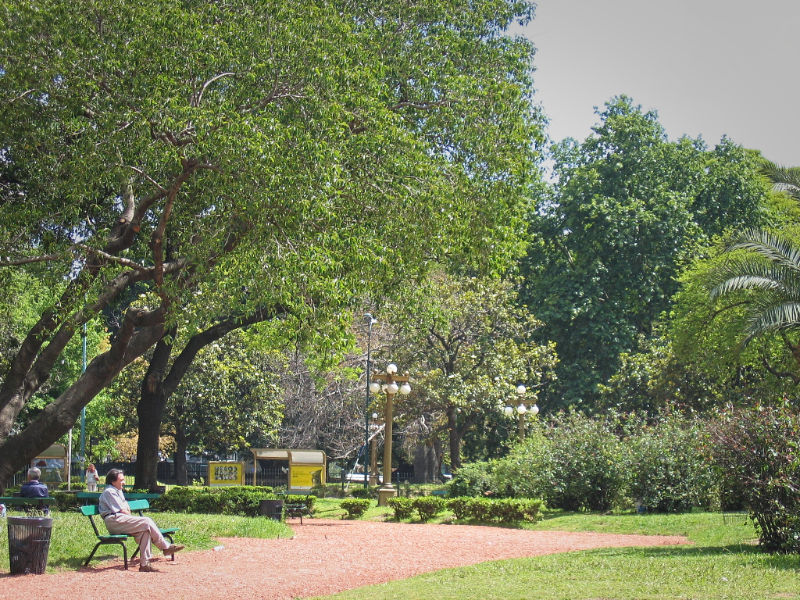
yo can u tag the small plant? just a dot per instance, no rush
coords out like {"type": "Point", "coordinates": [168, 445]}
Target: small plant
{"type": "Point", "coordinates": [403, 507]}
{"type": "Point", "coordinates": [428, 506]}
{"type": "Point", "coordinates": [355, 507]}
{"type": "Point", "coordinates": [361, 492]}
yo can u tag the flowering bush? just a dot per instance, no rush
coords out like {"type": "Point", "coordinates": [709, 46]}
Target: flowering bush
{"type": "Point", "coordinates": [758, 448]}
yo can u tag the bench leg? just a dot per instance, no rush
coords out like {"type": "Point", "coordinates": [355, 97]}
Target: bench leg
{"type": "Point", "coordinates": [124, 553]}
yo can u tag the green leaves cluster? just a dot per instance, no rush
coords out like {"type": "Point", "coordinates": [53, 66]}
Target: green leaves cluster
{"type": "Point", "coordinates": [627, 212]}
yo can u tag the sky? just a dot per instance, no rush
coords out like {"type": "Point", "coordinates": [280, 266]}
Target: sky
{"type": "Point", "coordinates": [708, 67]}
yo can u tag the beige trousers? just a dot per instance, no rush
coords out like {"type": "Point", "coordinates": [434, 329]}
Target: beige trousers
{"type": "Point", "coordinates": [143, 529]}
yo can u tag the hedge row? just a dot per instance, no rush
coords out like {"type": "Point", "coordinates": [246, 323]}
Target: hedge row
{"type": "Point", "coordinates": [237, 500]}
{"type": "Point", "coordinates": [505, 510]}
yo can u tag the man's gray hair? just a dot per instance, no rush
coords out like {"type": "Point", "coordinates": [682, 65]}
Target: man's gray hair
{"type": "Point", "coordinates": [34, 473]}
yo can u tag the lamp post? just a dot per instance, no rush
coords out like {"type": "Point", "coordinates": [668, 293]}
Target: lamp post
{"type": "Point", "coordinates": [389, 381]}
{"type": "Point", "coordinates": [370, 322]}
{"type": "Point", "coordinates": [521, 410]}
{"type": "Point", "coordinates": [373, 454]}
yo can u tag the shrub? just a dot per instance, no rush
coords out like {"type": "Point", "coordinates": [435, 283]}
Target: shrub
{"type": "Point", "coordinates": [362, 492]}
{"type": "Point", "coordinates": [403, 507]}
{"type": "Point", "coordinates": [460, 506]}
{"type": "Point", "coordinates": [355, 507]}
{"type": "Point", "coordinates": [503, 510]}
{"type": "Point", "coordinates": [428, 506]}
{"type": "Point", "coordinates": [586, 462]}
{"type": "Point", "coordinates": [526, 472]}
{"type": "Point", "coordinates": [65, 501]}
{"type": "Point", "coordinates": [758, 448]}
{"type": "Point", "coordinates": [472, 479]}
{"type": "Point", "coordinates": [666, 467]}
{"type": "Point", "coordinates": [236, 500]}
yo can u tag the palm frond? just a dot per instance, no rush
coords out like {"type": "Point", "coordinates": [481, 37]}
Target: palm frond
{"type": "Point", "coordinates": [744, 282]}
{"type": "Point", "coordinates": [770, 246]}
{"type": "Point", "coordinates": [784, 179]}
{"type": "Point", "coordinates": [783, 316]}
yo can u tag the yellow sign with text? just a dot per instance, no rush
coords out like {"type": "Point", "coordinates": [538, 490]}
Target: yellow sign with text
{"type": "Point", "coordinates": [225, 473]}
{"type": "Point", "coordinates": [304, 476]}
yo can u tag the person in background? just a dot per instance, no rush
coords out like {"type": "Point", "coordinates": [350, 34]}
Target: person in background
{"type": "Point", "coordinates": [118, 519]}
{"type": "Point", "coordinates": [33, 488]}
{"type": "Point", "coordinates": [91, 478]}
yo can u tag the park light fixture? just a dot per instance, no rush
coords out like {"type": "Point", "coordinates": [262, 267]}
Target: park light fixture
{"type": "Point", "coordinates": [389, 381]}
{"type": "Point", "coordinates": [521, 411]}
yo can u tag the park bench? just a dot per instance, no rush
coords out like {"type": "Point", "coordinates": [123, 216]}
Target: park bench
{"type": "Point", "coordinates": [138, 506]}
{"type": "Point", "coordinates": [297, 509]}
{"type": "Point", "coordinates": [88, 497]}
{"type": "Point", "coordinates": [29, 504]}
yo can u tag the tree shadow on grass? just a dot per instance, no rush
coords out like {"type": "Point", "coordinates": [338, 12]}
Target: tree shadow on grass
{"type": "Point", "coordinates": [746, 551]}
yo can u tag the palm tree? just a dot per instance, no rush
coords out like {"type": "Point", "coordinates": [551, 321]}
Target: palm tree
{"type": "Point", "coordinates": [771, 269]}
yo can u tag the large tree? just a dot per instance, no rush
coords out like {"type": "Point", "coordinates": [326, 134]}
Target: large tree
{"type": "Point", "coordinates": [274, 159]}
{"type": "Point", "coordinates": [469, 344]}
{"type": "Point", "coordinates": [628, 209]}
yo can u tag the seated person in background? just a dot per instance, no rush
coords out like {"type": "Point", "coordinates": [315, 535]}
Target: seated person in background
{"type": "Point", "coordinates": [33, 488]}
{"type": "Point", "coordinates": [118, 519]}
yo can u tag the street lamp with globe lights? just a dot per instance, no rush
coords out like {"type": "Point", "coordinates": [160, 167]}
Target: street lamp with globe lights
{"type": "Point", "coordinates": [521, 410]}
{"type": "Point", "coordinates": [388, 383]}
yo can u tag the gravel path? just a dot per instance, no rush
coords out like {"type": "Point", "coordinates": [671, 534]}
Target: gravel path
{"type": "Point", "coordinates": [323, 557]}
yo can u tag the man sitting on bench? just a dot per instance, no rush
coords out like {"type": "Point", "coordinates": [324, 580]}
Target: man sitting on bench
{"type": "Point", "coordinates": [118, 519]}
{"type": "Point", "coordinates": [33, 488]}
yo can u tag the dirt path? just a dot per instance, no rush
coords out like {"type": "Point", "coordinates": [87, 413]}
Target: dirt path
{"type": "Point", "coordinates": [323, 557]}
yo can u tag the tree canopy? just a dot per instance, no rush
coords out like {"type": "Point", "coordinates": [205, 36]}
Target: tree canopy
{"type": "Point", "coordinates": [276, 157]}
{"type": "Point", "coordinates": [628, 210]}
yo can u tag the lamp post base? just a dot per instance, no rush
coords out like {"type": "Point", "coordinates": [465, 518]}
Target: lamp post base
{"type": "Point", "coordinates": [385, 492]}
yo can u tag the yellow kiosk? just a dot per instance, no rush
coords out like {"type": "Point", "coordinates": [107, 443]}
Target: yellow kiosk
{"type": "Point", "coordinates": [307, 467]}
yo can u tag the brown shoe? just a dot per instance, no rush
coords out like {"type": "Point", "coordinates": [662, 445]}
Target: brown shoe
{"type": "Point", "coordinates": [147, 569]}
{"type": "Point", "coordinates": [172, 549]}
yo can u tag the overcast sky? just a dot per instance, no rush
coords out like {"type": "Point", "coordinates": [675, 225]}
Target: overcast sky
{"type": "Point", "coordinates": [708, 67]}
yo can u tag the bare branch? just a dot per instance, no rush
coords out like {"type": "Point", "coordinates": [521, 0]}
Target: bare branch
{"type": "Point", "coordinates": [198, 96]}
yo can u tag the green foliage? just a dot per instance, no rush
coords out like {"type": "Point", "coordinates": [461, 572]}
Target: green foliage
{"type": "Point", "coordinates": [235, 500]}
{"type": "Point", "coordinates": [238, 173]}
{"type": "Point", "coordinates": [355, 507]}
{"type": "Point", "coordinates": [628, 209]}
{"type": "Point", "coordinates": [502, 510]}
{"type": "Point", "coordinates": [667, 468]}
{"type": "Point", "coordinates": [586, 456]}
{"type": "Point", "coordinates": [403, 507]}
{"type": "Point", "coordinates": [428, 507]}
{"type": "Point", "coordinates": [368, 492]}
{"type": "Point", "coordinates": [758, 448]}
{"type": "Point", "coordinates": [472, 479]}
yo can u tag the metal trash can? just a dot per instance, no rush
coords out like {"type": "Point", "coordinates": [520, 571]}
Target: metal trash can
{"type": "Point", "coordinates": [272, 509]}
{"type": "Point", "coordinates": [28, 544]}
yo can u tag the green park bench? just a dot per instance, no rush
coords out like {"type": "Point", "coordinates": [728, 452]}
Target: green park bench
{"type": "Point", "coordinates": [29, 504]}
{"type": "Point", "coordinates": [92, 511]}
{"type": "Point", "coordinates": [94, 497]}
{"type": "Point", "coordinates": [297, 509]}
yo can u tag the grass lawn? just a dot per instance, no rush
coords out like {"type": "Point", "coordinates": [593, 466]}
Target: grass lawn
{"type": "Point", "coordinates": [72, 538]}
{"type": "Point", "coordinates": [722, 563]}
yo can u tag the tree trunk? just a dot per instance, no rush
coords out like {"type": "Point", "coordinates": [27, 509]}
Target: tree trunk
{"type": "Point", "coordinates": [150, 411]}
{"type": "Point", "coordinates": [60, 415]}
{"type": "Point", "coordinates": [424, 463]}
{"type": "Point", "coordinates": [455, 437]}
{"type": "Point", "coordinates": [181, 474]}
{"type": "Point", "coordinates": [437, 458]}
